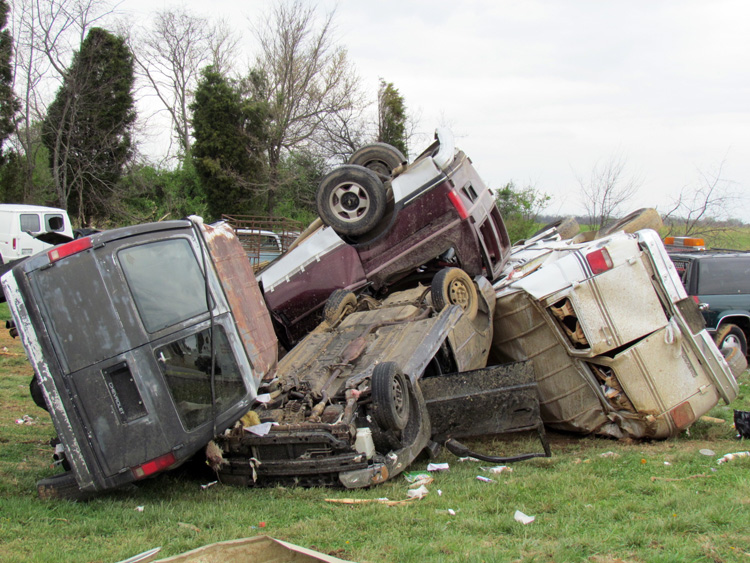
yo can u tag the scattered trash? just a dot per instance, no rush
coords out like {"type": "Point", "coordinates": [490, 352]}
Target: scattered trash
{"type": "Point", "coordinates": [188, 526]}
{"type": "Point", "coordinates": [485, 479]}
{"type": "Point", "coordinates": [416, 479]}
{"type": "Point", "coordinates": [139, 508]}
{"type": "Point", "coordinates": [440, 493]}
{"type": "Point", "coordinates": [643, 461]}
{"type": "Point", "coordinates": [523, 518]}
{"type": "Point", "coordinates": [706, 451]}
{"type": "Point", "coordinates": [25, 420]}
{"type": "Point", "coordinates": [730, 457]}
{"type": "Point", "coordinates": [438, 467]}
{"type": "Point", "coordinates": [462, 459]}
{"type": "Point", "coordinates": [451, 512]}
{"type": "Point", "coordinates": [498, 469]}
{"type": "Point", "coordinates": [261, 524]}
{"type": "Point", "coordinates": [261, 429]}
{"type": "Point", "coordinates": [419, 493]}
{"type": "Point", "coordinates": [742, 423]}
{"type": "Point", "coordinates": [667, 463]}
{"type": "Point", "coordinates": [207, 485]}
{"type": "Point", "coordinates": [712, 419]}
{"type": "Point", "coordinates": [613, 455]}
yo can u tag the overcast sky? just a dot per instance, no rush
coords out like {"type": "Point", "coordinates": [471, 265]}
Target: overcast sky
{"type": "Point", "coordinates": [540, 92]}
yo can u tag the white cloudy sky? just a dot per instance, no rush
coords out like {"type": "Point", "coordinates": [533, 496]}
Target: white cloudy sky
{"type": "Point", "coordinates": [540, 91]}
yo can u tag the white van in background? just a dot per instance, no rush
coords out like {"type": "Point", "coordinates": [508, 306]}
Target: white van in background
{"type": "Point", "coordinates": [18, 224]}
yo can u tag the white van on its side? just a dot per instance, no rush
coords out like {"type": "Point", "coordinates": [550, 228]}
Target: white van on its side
{"type": "Point", "coordinates": [18, 224]}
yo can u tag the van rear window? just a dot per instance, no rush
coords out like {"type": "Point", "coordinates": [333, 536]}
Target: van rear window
{"type": "Point", "coordinates": [727, 276]}
{"type": "Point", "coordinates": [30, 223]}
{"type": "Point", "coordinates": [166, 282]}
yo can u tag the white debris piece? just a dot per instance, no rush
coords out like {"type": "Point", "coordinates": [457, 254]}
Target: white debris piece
{"type": "Point", "coordinates": [523, 518]}
{"type": "Point", "coordinates": [438, 467]}
{"type": "Point", "coordinates": [730, 457]}
{"type": "Point", "coordinates": [419, 493]}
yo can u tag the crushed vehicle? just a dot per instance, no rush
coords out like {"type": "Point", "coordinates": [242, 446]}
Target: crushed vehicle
{"type": "Point", "coordinates": [385, 226]}
{"type": "Point", "coordinates": [352, 403]}
{"type": "Point", "coordinates": [138, 374]}
{"type": "Point", "coordinates": [618, 347]}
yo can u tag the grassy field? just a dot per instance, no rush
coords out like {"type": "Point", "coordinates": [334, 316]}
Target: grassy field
{"type": "Point", "coordinates": [596, 500]}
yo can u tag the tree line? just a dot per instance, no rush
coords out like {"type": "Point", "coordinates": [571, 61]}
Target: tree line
{"type": "Point", "coordinates": [254, 142]}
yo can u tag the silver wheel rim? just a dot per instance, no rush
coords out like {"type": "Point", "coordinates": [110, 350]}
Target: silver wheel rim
{"type": "Point", "coordinates": [349, 202]}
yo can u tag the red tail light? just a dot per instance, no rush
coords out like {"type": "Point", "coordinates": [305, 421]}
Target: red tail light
{"type": "Point", "coordinates": [599, 260]}
{"type": "Point", "coordinates": [458, 204]}
{"type": "Point", "coordinates": [695, 298]}
{"type": "Point", "coordinates": [153, 466]}
{"type": "Point", "coordinates": [14, 244]}
{"type": "Point", "coordinates": [69, 248]}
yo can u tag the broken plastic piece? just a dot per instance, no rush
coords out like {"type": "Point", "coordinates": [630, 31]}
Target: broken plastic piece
{"type": "Point", "coordinates": [498, 469]}
{"type": "Point", "coordinates": [438, 467]}
{"type": "Point", "coordinates": [485, 479]}
{"type": "Point", "coordinates": [419, 493]}
{"type": "Point", "coordinates": [730, 457]}
{"type": "Point", "coordinates": [523, 518]}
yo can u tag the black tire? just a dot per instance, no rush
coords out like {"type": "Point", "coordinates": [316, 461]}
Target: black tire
{"type": "Point", "coordinates": [453, 286]}
{"type": "Point", "coordinates": [381, 158]}
{"type": "Point", "coordinates": [390, 397]}
{"type": "Point", "coordinates": [351, 200]}
{"type": "Point", "coordinates": [37, 395]}
{"type": "Point", "coordinates": [62, 486]}
{"type": "Point", "coordinates": [731, 336]}
{"type": "Point", "coordinates": [339, 303]}
{"type": "Point", "coordinates": [644, 218]}
{"type": "Point", "coordinates": [567, 228]}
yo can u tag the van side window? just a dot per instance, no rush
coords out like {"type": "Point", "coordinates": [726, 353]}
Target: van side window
{"type": "Point", "coordinates": [54, 223]}
{"type": "Point", "coordinates": [30, 223]}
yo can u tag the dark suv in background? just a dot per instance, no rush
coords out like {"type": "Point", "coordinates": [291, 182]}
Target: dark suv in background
{"type": "Point", "coordinates": [719, 281]}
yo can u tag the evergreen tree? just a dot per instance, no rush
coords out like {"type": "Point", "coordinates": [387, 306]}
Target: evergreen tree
{"type": "Point", "coordinates": [228, 127]}
{"type": "Point", "coordinates": [8, 103]}
{"type": "Point", "coordinates": [391, 117]}
{"type": "Point", "coordinates": [88, 127]}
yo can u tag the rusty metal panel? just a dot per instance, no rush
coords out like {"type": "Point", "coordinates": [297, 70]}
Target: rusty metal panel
{"type": "Point", "coordinates": [244, 298]}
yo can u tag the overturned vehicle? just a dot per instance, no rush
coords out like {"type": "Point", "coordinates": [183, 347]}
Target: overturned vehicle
{"type": "Point", "coordinates": [618, 347]}
{"type": "Point", "coordinates": [139, 374]}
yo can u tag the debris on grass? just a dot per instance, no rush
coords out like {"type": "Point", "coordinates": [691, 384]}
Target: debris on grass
{"type": "Point", "coordinates": [485, 479]}
{"type": "Point", "coordinates": [611, 454]}
{"type": "Point", "coordinates": [497, 469]}
{"type": "Point", "coordinates": [417, 478]}
{"type": "Point", "coordinates": [523, 518]}
{"type": "Point", "coordinates": [707, 452]}
{"type": "Point", "coordinates": [712, 419]}
{"type": "Point", "coordinates": [140, 508]}
{"type": "Point", "coordinates": [188, 526]}
{"type": "Point", "coordinates": [207, 485]}
{"type": "Point", "coordinates": [418, 493]}
{"type": "Point", "coordinates": [26, 419]}
{"type": "Point", "coordinates": [731, 457]}
{"type": "Point", "coordinates": [368, 501]}
{"type": "Point", "coordinates": [438, 467]}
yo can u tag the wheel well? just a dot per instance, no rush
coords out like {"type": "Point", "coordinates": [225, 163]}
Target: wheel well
{"type": "Point", "coordinates": [742, 322]}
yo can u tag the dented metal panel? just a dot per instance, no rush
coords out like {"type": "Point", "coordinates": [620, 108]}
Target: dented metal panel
{"type": "Point", "coordinates": [244, 298]}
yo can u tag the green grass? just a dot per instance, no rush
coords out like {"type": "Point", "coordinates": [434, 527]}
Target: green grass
{"type": "Point", "coordinates": [587, 507]}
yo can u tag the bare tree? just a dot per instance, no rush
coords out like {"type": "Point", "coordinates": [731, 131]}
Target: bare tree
{"type": "Point", "coordinates": [606, 190]}
{"type": "Point", "coordinates": [170, 55]}
{"type": "Point", "coordinates": [308, 83]}
{"type": "Point", "coordinates": [704, 209]}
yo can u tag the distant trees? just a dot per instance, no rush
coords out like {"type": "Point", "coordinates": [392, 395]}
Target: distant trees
{"type": "Point", "coordinates": [703, 209]}
{"type": "Point", "coordinates": [229, 128]}
{"type": "Point", "coordinates": [606, 190]}
{"type": "Point", "coordinates": [87, 130]}
{"type": "Point", "coordinates": [307, 80]}
{"type": "Point", "coordinates": [520, 209]}
{"type": "Point", "coordinates": [170, 56]}
{"type": "Point", "coordinates": [392, 117]}
{"type": "Point", "coordinates": [9, 104]}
